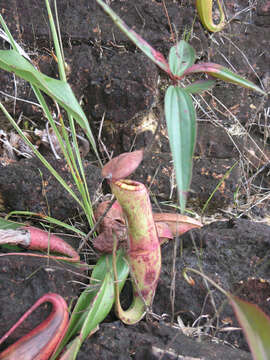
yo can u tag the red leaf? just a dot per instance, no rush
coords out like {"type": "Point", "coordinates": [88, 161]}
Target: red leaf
{"type": "Point", "coordinates": [178, 224]}
{"type": "Point", "coordinates": [41, 342]}
{"type": "Point", "coordinates": [122, 166]}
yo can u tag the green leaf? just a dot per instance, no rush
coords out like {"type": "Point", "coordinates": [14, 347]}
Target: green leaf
{"type": "Point", "coordinates": [60, 91]}
{"type": "Point", "coordinates": [84, 304]}
{"type": "Point", "coordinates": [72, 350]}
{"type": "Point", "coordinates": [181, 57]}
{"type": "Point", "coordinates": [223, 73]}
{"type": "Point", "coordinates": [56, 41]}
{"type": "Point", "coordinates": [100, 307]}
{"type": "Point", "coordinates": [96, 301]}
{"type": "Point", "coordinates": [98, 310]}
{"type": "Point", "coordinates": [147, 49]}
{"type": "Point", "coordinates": [7, 224]}
{"type": "Point", "coordinates": [256, 326]}
{"type": "Point", "coordinates": [181, 122]}
{"type": "Point", "coordinates": [199, 86]}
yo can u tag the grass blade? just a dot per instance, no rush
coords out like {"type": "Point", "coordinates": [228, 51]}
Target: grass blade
{"type": "Point", "coordinates": [37, 153]}
{"type": "Point", "coordinates": [12, 61]}
{"type": "Point", "coordinates": [60, 91]}
{"type": "Point", "coordinates": [59, 55]}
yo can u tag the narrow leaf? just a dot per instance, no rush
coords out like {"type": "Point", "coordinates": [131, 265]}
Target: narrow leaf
{"type": "Point", "coordinates": [199, 86]}
{"type": "Point", "coordinates": [96, 301]}
{"type": "Point", "coordinates": [148, 50]}
{"type": "Point", "coordinates": [84, 304]}
{"type": "Point", "coordinates": [223, 73]}
{"type": "Point", "coordinates": [177, 223]}
{"type": "Point", "coordinates": [71, 350]}
{"type": "Point", "coordinates": [98, 310]}
{"type": "Point", "coordinates": [256, 326]}
{"type": "Point", "coordinates": [181, 123]}
{"type": "Point", "coordinates": [7, 224]}
{"type": "Point", "coordinates": [104, 265]}
{"type": "Point", "coordinates": [60, 91]}
{"type": "Point", "coordinates": [100, 307]}
{"type": "Point", "coordinates": [181, 57]}
{"type": "Point", "coordinates": [6, 35]}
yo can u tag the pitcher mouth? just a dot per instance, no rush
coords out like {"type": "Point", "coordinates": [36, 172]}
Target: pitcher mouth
{"type": "Point", "coordinates": [129, 185]}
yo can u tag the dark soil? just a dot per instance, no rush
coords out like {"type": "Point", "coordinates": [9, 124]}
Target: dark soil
{"type": "Point", "coordinates": [234, 255]}
{"type": "Point", "coordinates": [230, 175]}
{"type": "Point", "coordinates": [24, 280]}
{"type": "Point", "coordinates": [152, 341]}
{"type": "Point", "coordinates": [28, 185]}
